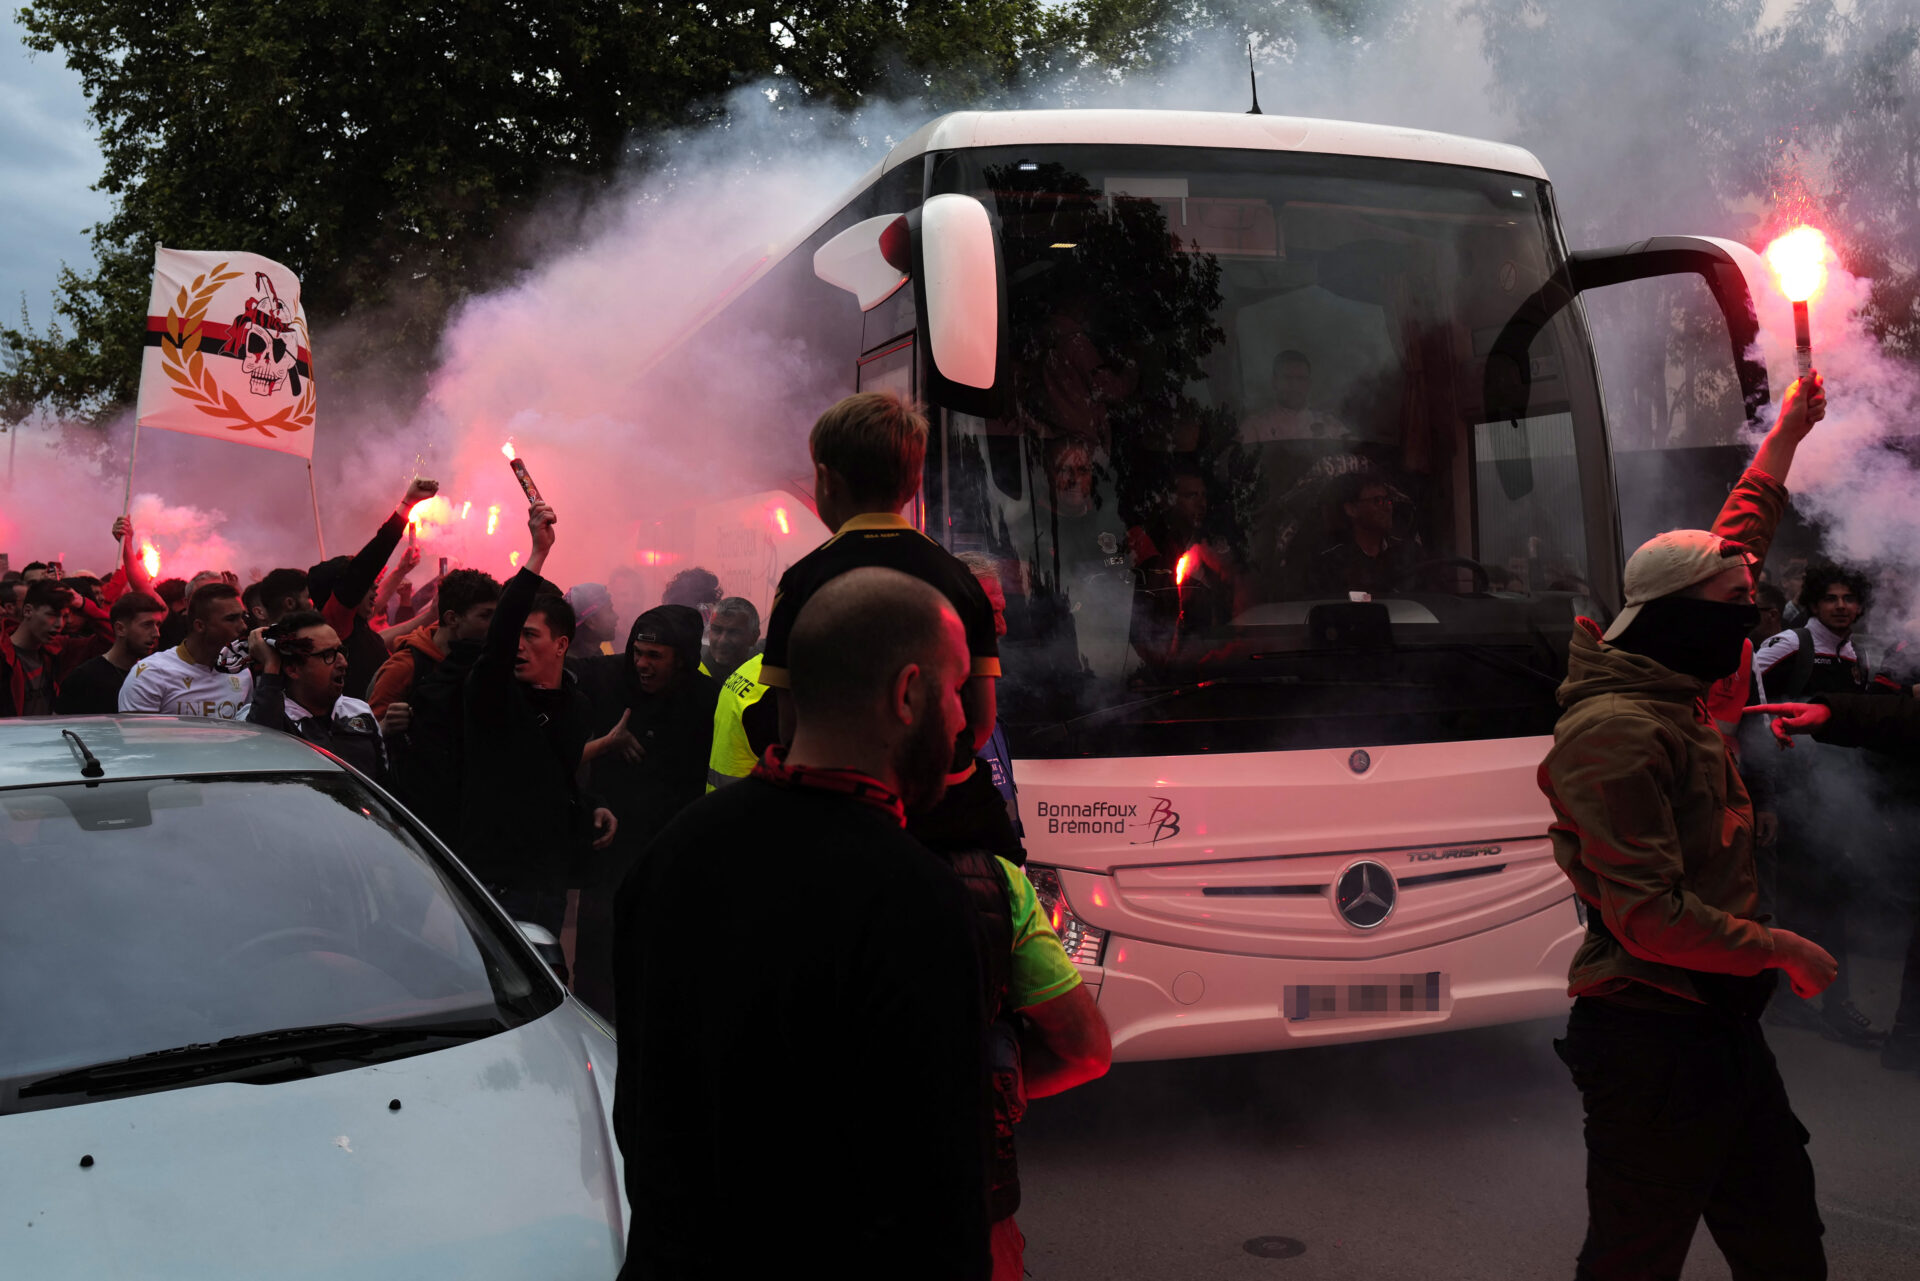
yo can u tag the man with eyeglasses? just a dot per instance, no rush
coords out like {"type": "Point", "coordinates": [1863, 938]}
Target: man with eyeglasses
{"type": "Point", "coordinates": [303, 673]}
{"type": "Point", "coordinates": [1371, 558]}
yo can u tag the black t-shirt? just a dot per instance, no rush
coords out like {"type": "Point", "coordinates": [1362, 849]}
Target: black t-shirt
{"type": "Point", "coordinates": [800, 1075]}
{"type": "Point", "coordinates": [173, 629]}
{"type": "Point", "coordinates": [886, 542]}
{"type": "Point", "coordinates": [93, 688]}
{"type": "Point", "coordinates": [1344, 568]}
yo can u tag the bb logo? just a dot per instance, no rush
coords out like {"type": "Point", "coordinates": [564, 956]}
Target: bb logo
{"type": "Point", "coordinates": [1162, 822]}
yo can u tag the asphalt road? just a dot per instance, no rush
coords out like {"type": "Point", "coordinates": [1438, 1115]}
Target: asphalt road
{"type": "Point", "coordinates": [1427, 1158]}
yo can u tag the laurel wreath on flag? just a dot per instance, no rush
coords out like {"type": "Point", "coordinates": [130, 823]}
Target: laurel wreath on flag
{"type": "Point", "coordinates": [182, 360]}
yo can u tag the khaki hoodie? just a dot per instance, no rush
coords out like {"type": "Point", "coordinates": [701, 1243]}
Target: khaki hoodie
{"type": "Point", "coordinates": [1651, 821]}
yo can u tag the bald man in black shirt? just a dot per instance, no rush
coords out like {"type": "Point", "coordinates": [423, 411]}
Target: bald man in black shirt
{"type": "Point", "coordinates": [787, 1071]}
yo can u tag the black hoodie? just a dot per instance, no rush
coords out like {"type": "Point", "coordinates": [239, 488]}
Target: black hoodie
{"type": "Point", "coordinates": [675, 728]}
{"type": "Point", "coordinates": [524, 822]}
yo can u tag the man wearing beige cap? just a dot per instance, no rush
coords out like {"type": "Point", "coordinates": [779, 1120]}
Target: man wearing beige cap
{"type": "Point", "coordinates": [1686, 1116]}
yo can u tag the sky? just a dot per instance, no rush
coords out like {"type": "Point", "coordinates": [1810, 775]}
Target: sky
{"type": "Point", "coordinates": [48, 164]}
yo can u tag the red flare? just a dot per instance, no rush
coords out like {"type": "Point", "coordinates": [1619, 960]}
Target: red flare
{"type": "Point", "coordinates": [1799, 260]}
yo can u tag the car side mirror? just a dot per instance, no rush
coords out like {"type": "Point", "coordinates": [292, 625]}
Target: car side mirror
{"type": "Point", "coordinates": [548, 948]}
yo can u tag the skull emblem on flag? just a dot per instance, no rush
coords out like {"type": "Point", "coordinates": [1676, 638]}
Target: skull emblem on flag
{"type": "Point", "coordinates": [262, 337]}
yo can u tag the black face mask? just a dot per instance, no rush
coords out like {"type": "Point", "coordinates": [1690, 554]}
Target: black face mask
{"type": "Point", "coordinates": [1701, 638]}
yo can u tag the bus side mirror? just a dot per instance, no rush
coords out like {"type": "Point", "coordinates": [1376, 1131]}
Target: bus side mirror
{"type": "Point", "coordinates": [950, 249]}
{"type": "Point", "coordinates": [963, 303]}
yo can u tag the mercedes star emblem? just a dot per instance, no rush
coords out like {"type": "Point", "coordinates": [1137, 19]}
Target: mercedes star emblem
{"type": "Point", "coordinates": [1359, 762]}
{"type": "Point", "coordinates": [1365, 894]}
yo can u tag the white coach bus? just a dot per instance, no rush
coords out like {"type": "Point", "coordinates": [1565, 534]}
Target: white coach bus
{"type": "Point", "coordinates": [1287, 439]}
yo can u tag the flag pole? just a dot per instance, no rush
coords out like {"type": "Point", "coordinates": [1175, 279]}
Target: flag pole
{"type": "Point", "coordinates": [126, 501]}
{"type": "Point", "coordinates": [133, 460]}
{"type": "Point", "coordinates": [314, 493]}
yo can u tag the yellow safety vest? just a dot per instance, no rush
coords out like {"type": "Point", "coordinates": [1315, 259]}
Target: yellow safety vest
{"type": "Point", "coordinates": [732, 758]}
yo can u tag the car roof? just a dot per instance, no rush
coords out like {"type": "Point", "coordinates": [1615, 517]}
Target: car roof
{"type": "Point", "coordinates": [35, 752]}
{"type": "Point", "coordinates": [1209, 129]}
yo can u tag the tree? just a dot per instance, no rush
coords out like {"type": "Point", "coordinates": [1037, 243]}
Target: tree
{"type": "Point", "coordinates": [390, 153]}
{"type": "Point", "coordinates": [1708, 111]}
{"type": "Point", "coordinates": [1874, 128]}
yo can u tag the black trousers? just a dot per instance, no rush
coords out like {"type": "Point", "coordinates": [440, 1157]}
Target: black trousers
{"type": "Point", "coordinates": [1906, 1019]}
{"type": "Point", "coordinates": [593, 945]}
{"type": "Point", "coordinates": [1815, 884]}
{"type": "Point", "coordinates": [593, 950]}
{"type": "Point", "coordinates": [1687, 1118]}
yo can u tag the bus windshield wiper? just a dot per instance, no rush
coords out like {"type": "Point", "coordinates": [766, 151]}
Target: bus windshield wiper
{"type": "Point", "coordinates": [1184, 688]}
{"type": "Point", "coordinates": [1492, 656]}
{"type": "Point", "coordinates": [294, 1045]}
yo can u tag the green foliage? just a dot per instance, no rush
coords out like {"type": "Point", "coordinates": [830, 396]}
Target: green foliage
{"type": "Point", "coordinates": [1875, 139]}
{"type": "Point", "coordinates": [387, 151]}
{"type": "Point", "coordinates": [1815, 118]}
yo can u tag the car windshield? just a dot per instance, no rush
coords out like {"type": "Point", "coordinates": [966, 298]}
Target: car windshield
{"type": "Point", "coordinates": [145, 915]}
{"type": "Point", "coordinates": [1246, 494]}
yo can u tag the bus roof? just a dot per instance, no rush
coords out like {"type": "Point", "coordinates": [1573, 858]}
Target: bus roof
{"type": "Point", "coordinates": [1141, 128]}
{"type": "Point", "coordinates": [1209, 129]}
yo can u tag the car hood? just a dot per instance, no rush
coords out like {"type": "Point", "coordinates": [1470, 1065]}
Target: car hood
{"type": "Point", "coordinates": [500, 1162]}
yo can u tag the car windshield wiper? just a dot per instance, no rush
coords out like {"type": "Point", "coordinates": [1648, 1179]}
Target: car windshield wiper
{"type": "Point", "coordinates": [293, 1046]}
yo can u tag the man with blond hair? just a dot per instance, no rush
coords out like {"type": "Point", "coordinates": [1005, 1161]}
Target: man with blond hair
{"type": "Point", "coordinates": [868, 451]}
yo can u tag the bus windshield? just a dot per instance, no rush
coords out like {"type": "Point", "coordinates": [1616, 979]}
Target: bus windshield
{"type": "Point", "coordinates": [1244, 495]}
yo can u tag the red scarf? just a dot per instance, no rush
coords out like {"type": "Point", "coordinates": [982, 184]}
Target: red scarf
{"type": "Point", "coordinates": [863, 788]}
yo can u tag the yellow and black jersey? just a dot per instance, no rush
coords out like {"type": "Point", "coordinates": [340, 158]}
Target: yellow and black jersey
{"type": "Point", "coordinates": [886, 541]}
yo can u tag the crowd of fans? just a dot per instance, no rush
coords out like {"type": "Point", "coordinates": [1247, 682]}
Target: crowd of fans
{"type": "Point", "coordinates": [818, 790]}
{"type": "Point", "coordinates": [1830, 820]}
{"type": "Point", "coordinates": [848, 764]}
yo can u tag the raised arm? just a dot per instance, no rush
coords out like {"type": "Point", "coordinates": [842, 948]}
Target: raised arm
{"type": "Point", "coordinates": [138, 579]}
{"type": "Point", "coordinates": [1804, 405]}
{"type": "Point", "coordinates": [391, 583]}
{"type": "Point", "coordinates": [357, 580]}
{"type": "Point", "coordinates": [268, 706]}
{"type": "Point", "coordinates": [1758, 499]}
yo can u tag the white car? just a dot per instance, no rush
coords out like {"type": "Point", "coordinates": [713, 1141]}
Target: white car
{"type": "Point", "coordinates": [256, 1022]}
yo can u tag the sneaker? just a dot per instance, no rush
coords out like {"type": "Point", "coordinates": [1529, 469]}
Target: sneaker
{"type": "Point", "coordinates": [1842, 1021]}
{"type": "Point", "coordinates": [1901, 1053]}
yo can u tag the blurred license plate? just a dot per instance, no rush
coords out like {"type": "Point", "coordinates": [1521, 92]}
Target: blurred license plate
{"type": "Point", "coordinates": [1365, 996]}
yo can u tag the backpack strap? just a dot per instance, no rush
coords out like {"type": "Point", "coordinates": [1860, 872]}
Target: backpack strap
{"type": "Point", "coordinates": [1799, 670]}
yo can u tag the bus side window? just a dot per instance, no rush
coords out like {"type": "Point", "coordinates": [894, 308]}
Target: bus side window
{"type": "Point", "coordinates": [1674, 409]}
{"type": "Point", "coordinates": [889, 369]}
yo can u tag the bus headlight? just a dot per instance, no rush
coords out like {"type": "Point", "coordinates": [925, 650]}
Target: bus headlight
{"type": "Point", "coordinates": [1083, 943]}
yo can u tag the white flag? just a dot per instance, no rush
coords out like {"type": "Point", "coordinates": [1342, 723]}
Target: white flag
{"type": "Point", "coordinates": [227, 354]}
